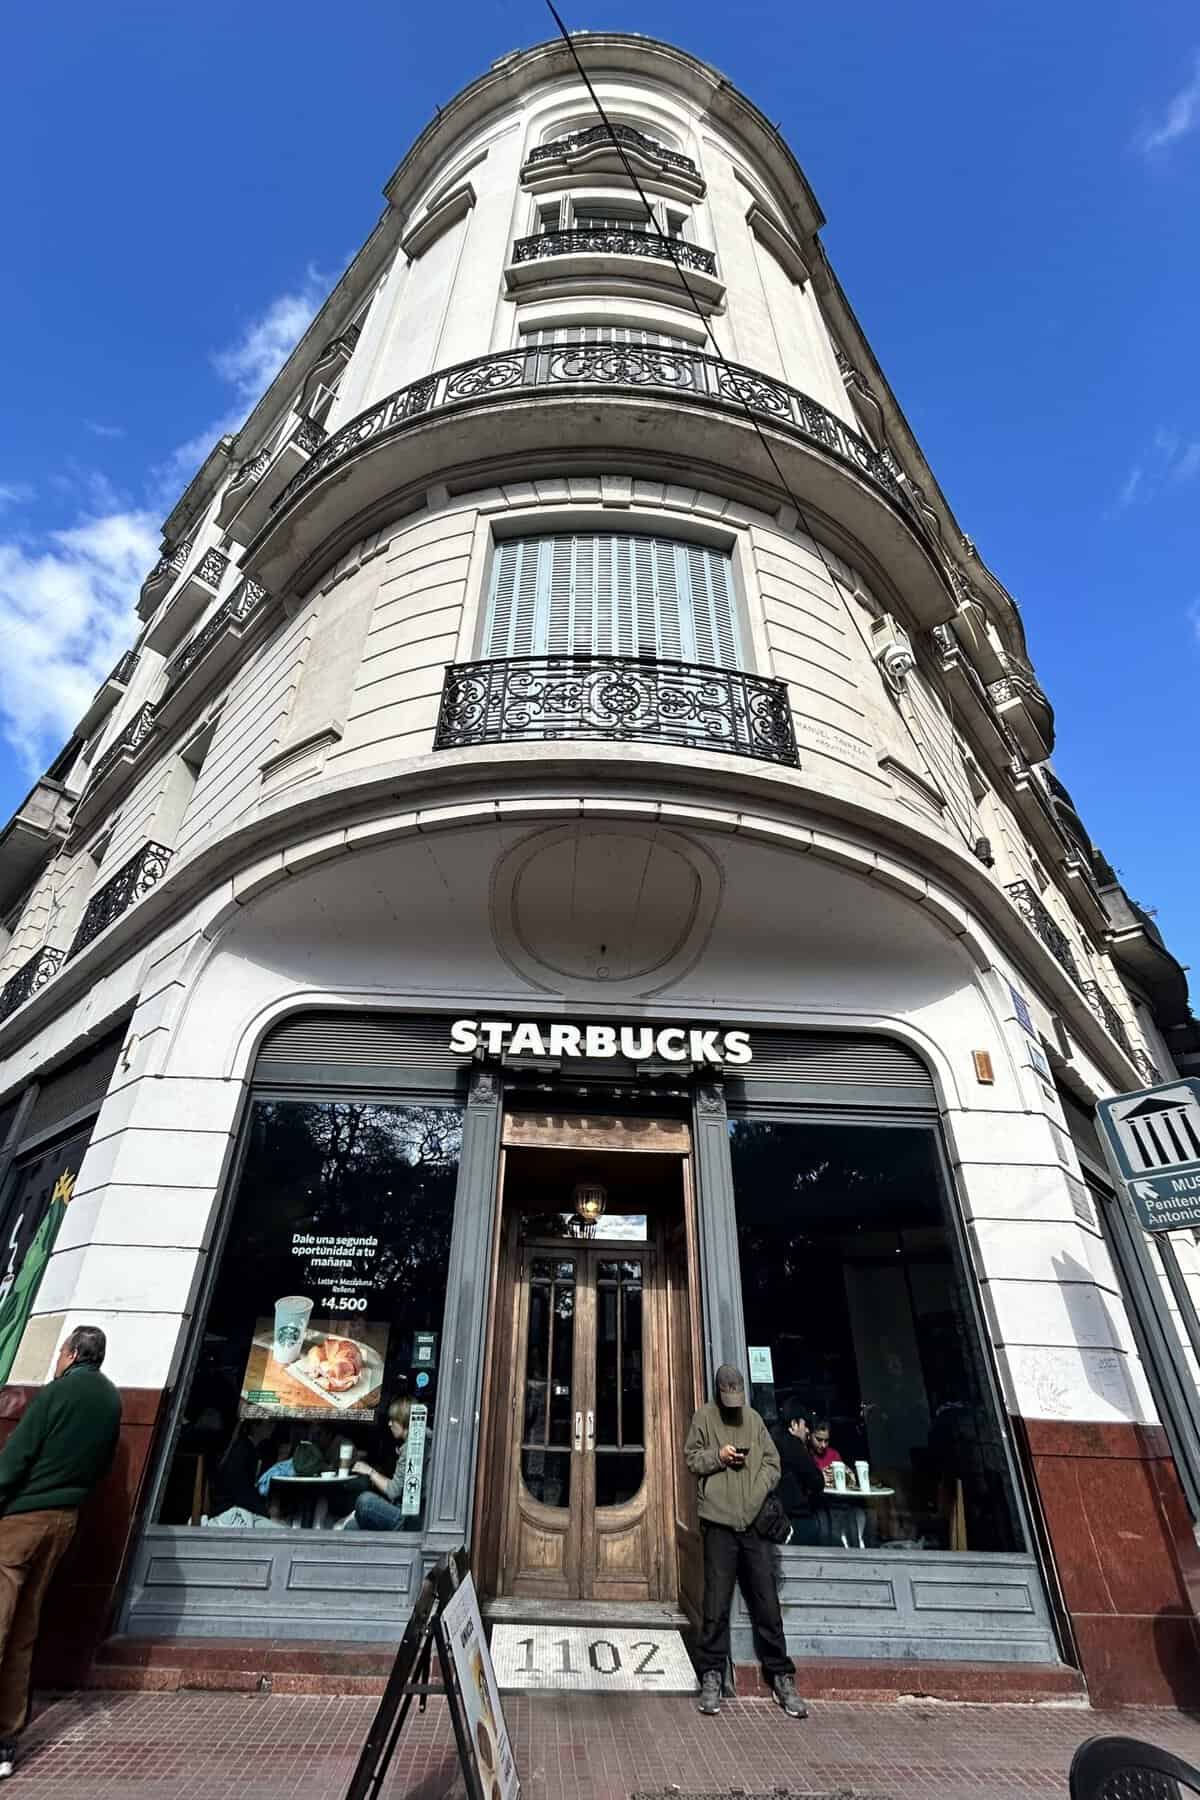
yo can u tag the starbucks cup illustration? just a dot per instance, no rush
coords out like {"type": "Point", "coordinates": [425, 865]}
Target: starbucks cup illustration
{"type": "Point", "coordinates": [291, 1322]}
{"type": "Point", "coordinates": [839, 1476]}
{"type": "Point", "coordinates": [863, 1472]}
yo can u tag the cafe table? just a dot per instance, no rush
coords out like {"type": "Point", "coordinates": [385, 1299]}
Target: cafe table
{"type": "Point", "coordinates": [855, 1522]}
{"type": "Point", "coordinates": [310, 1496]}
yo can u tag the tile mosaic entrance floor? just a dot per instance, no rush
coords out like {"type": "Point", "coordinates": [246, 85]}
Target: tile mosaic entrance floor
{"type": "Point", "coordinates": [597, 1659]}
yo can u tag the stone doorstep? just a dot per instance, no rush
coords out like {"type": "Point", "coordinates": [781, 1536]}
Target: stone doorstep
{"type": "Point", "coordinates": [282, 1666]}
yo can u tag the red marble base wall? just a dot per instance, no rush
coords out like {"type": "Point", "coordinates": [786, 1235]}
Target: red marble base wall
{"type": "Point", "coordinates": [1121, 1536]}
{"type": "Point", "coordinates": [78, 1610]}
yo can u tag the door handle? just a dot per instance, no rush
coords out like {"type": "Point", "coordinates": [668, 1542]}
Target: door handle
{"type": "Point", "coordinates": [591, 1430]}
{"type": "Point", "coordinates": [579, 1430]}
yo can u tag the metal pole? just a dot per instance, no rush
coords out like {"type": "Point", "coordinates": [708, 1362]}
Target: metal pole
{"type": "Point", "coordinates": [1166, 1366]}
{"type": "Point", "coordinates": [1177, 1282]}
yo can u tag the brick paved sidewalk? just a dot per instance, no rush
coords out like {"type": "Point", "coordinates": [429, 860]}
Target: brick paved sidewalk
{"type": "Point", "coordinates": [205, 1746]}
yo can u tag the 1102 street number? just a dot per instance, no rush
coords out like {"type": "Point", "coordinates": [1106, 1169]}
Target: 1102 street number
{"type": "Point", "coordinates": [603, 1655]}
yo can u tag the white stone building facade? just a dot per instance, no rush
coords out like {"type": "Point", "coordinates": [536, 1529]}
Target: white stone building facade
{"type": "Point", "coordinates": [575, 635]}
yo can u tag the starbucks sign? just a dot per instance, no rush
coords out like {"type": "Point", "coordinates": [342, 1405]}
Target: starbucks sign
{"type": "Point", "coordinates": [595, 1043]}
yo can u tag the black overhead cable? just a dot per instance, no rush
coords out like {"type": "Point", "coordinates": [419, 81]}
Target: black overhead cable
{"type": "Point", "coordinates": [735, 390]}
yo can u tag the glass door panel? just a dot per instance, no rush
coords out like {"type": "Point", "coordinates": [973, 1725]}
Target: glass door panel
{"type": "Point", "coordinates": [549, 1381]}
{"type": "Point", "coordinates": [620, 1446]}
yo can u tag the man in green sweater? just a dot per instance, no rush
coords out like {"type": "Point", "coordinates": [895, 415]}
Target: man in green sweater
{"type": "Point", "coordinates": [61, 1448]}
{"type": "Point", "coordinates": [730, 1449]}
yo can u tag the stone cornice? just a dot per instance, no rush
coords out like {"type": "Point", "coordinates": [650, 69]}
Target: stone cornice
{"type": "Point", "coordinates": [459, 788]}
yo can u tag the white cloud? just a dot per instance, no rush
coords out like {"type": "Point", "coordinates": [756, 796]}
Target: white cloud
{"type": "Point", "coordinates": [1169, 460]}
{"type": "Point", "coordinates": [66, 614]}
{"type": "Point", "coordinates": [1180, 117]}
{"type": "Point", "coordinates": [266, 343]}
{"type": "Point", "coordinates": [249, 365]}
{"type": "Point", "coordinates": [67, 598]}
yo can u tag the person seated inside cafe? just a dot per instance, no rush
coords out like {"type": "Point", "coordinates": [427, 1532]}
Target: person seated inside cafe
{"type": "Point", "coordinates": [845, 1524]}
{"type": "Point", "coordinates": [378, 1508]}
{"type": "Point", "coordinates": [801, 1484]}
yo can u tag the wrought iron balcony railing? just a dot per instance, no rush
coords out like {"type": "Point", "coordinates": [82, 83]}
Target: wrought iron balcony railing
{"type": "Point", "coordinates": [604, 134]}
{"type": "Point", "coordinates": [527, 699]}
{"type": "Point", "coordinates": [619, 368]}
{"type": "Point", "coordinates": [1147, 1068]}
{"type": "Point", "coordinates": [169, 565]}
{"type": "Point", "coordinates": [245, 599]}
{"type": "Point", "coordinates": [1028, 903]}
{"type": "Point", "coordinates": [131, 739]}
{"type": "Point", "coordinates": [134, 879]}
{"type": "Point", "coordinates": [1104, 1009]}
{"type": "Point", "coordinates": [31, 976]}
{"type": "Point", "coordinates": [616, 243]}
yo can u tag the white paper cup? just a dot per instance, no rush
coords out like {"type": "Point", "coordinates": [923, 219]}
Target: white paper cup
{"type": "Point", "coordinates": [839, 1476]}
{"type": "Point", "coordinates": [862, 1473]}
{"type": "Point", "coordinates": [292, 1314]}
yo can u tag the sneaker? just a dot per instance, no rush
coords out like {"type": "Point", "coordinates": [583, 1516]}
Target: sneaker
{"type": "Point", "coordinates": [710, 1692]}
{"type": "Point", "coordinates": [784, 1688]}
{"type": "Point", "coordinates": [8, 1757]}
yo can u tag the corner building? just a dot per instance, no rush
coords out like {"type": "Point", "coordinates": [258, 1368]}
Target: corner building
{"type": "Point", "coordinates": [568, 889]}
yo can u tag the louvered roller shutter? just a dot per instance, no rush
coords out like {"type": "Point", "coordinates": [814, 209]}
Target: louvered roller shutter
{"type": "Point", "coordinates": [606, 593]}
{"type": "Point", "coordinates": [380, 1050]}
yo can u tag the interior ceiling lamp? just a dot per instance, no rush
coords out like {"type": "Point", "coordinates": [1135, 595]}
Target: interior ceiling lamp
{"type": "Point", "coordinates": [589, 1200]}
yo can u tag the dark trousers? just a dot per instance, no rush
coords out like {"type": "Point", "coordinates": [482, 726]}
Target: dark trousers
{"type": "Point", "coordinates": [730, 1556]}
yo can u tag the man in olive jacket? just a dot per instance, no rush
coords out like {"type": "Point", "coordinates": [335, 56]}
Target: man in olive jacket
{"type": "Point", "coordinates": [61, 1448]}
{"type": "Point", "coordinates": [729, 1448]}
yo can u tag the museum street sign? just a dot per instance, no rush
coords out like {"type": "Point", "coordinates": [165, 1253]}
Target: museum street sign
{"type": "Point", "coordinates": [1153, 1141]}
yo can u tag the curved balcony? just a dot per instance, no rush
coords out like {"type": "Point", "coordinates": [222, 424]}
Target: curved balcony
{"type": "Point", "coordinates": [678, 408]}
{"type": "Point", "coordinates": [597, 136]}
{"type": "Point", "coordinates": [540, 699]}
{"type": "Point", "coordinates": [652, 244]}
{"type": "Point", "coordinates": [615, 260]}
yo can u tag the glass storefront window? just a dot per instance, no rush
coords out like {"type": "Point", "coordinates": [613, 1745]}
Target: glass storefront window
{"type": "Point", "coordinates": [313, 1401]}
{"type": "Point", "coordinates": [857, 1322]}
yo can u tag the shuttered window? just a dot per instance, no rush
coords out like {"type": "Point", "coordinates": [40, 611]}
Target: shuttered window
{"type": "Point", "coordinates": [549, 335]}
{"type": "Point", "coordinates": [612, 594]}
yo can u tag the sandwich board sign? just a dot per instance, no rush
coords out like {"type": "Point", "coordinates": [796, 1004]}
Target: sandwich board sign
{"type": "Point", "coordinates": [1153, 1139]}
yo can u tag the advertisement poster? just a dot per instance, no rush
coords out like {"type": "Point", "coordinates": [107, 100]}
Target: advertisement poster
{"type": "Point", "coordinates": [314, 1354]}
{"type": "Point", "coordinates": [487, 1733]}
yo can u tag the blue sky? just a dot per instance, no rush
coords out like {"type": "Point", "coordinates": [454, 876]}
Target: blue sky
{"type": "Point", "coordinates": [1012, 200]}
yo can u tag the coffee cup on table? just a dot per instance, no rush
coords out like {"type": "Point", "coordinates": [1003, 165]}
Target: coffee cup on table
{"type": "Point", "coordinates": [345, 1458]}
{"type": "Point", "coordinates": [292, 1314]}
{"type": "Point", "coordinates": [838, 1471]}
{"type": "Point", "coordinates": [862, 1472]}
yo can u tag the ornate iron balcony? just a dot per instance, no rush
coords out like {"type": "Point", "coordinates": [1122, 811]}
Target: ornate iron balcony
{"type": "Point", "coordinates": [1028, 903]}
{"type": "Point", "coordinates": [620, 368]}
{"type": "Point", "coordinates": [616, 243]}
{"type": "Point", "coordinates": [1147, 1069]}
{"type": "Point", "coordinates": [170, 564]}
{"type": "Point", "coordinates": [123, 673]}
{"type": "Point", "coordinates": [31, 976]}
{"type": "Point", "coordinates": [533, 699]}
{"type": "Point", "coordinates": [131, 739]}
{"type": "Point", "coordinates": [1104, 1009]}
{"type": "Point", "coordinates": [246, 598]}
{"type": "Point", "coordinates": [604, 134]}
{"type": "Point", "coordinates": [133, 880]}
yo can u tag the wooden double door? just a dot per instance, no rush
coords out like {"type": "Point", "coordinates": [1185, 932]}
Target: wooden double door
{"type": "Point", "coordinates": [585, 1465]}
